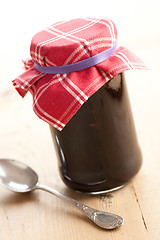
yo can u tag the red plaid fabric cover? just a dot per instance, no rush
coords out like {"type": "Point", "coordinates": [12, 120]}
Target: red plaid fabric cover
{"type": "Point", "coordinates": [57, 97]}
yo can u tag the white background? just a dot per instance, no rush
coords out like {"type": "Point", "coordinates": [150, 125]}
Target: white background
{"type": "Point", "coordinates": [137, 21]}
{"type": "Point", "coordinates": [138, 24]}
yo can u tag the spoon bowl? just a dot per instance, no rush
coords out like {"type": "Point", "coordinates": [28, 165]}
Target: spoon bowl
{"type": "Point", "coordinates": [18, 177]}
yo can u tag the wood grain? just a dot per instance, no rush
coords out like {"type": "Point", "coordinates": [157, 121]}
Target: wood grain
{"type": "Point", "coordinates": [42, 216]}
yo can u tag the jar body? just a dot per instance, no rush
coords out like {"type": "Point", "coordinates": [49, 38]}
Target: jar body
{"type": "Point", "coordinates": [98, 148]}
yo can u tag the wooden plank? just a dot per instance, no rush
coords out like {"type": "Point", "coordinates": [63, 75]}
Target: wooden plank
{"type": "Point", "coordinates": [43, 216]}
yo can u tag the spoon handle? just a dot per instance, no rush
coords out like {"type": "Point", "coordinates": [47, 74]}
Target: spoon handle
{"type": "Point", "coordinates": [83, 208]}
{"type": "Point", "coordinates": [103, 219]}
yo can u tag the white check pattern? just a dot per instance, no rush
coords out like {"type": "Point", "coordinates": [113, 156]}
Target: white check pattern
{"type": "Point", "coordinates": [57, 97]}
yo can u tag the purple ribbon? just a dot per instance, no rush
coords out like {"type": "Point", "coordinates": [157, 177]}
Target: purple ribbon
{"type": "Point", "coordinates": [74, 67]}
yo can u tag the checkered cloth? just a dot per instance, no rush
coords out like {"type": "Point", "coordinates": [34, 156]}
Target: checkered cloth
{"type": "Point", "coordinates": [57, 97]}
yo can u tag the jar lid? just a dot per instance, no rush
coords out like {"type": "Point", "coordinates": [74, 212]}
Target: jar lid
{"type": "Point", "coordinates": [69, 62]}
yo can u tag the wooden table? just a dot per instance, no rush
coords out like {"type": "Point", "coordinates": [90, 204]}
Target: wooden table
{"type": "Point", "coordinates": [41, 216]}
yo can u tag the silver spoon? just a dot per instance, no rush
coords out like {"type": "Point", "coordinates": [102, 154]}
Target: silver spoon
{"type": "Point", "coordinates": [18, 177]}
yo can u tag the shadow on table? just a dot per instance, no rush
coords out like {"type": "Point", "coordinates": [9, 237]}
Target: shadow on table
{"type": "Point", "coordinates": [17, 198]}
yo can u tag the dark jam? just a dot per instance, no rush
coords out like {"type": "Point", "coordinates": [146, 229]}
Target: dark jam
{"type": "Point", "coordinates": [98, 148]}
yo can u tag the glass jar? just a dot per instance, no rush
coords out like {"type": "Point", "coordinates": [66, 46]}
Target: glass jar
{"type": "Point", "coordinates": [98, 148]}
